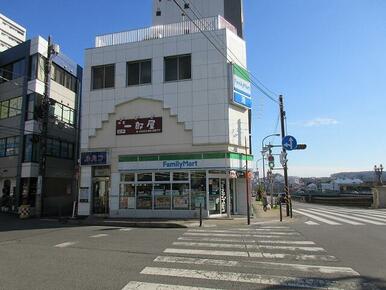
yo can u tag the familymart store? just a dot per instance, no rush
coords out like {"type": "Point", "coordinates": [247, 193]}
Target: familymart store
{"type": "Point", "coordinates": [176, 185]}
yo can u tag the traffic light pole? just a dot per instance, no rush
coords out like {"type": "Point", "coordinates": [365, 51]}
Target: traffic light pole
{"type": "Point", "coordinates": [286, 188]}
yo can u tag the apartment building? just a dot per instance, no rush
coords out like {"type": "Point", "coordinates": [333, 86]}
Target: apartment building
{"type": "Point", "coordinates": [22, 72]}
{"type": "Point", "coordinates": [11, 33]}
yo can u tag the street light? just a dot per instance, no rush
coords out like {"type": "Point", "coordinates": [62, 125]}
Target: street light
{"type": "Point", "coordinates": [262, 152]}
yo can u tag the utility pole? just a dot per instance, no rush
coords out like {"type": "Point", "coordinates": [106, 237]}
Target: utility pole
{"type": "Point", "coordinates": [286, 189]}
{"type": "Point", "coordinates": [246, 182]}
{"type": "Point", "coordinates": [44, 129]}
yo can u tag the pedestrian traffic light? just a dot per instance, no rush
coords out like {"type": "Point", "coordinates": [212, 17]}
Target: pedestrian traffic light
{"type": "Point", "coordinates": [301, 146]}
{"type": "Point", "coordinates": [271, 161]}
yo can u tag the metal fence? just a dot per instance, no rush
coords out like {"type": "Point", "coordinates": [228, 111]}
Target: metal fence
{"type": "Point", "coordinates": [161, 31]}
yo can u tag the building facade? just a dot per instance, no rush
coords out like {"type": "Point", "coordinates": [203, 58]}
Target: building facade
{"type": "Point", "coordinates": [165, 121]}
{"type": "Point", "coordinates": [22, 72]}
{"type": "Point", "coordinates": [11, 33]}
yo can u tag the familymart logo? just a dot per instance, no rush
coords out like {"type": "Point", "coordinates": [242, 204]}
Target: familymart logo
{"type": "Point", "coordinates": [180, 164]}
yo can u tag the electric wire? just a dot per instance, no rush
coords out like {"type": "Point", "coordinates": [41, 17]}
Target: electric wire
{"type": "Point", "coordinates": [224, 55]}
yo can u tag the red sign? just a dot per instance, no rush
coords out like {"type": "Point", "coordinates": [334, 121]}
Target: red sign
{"type": "Point", "coordinates": [139, 126]}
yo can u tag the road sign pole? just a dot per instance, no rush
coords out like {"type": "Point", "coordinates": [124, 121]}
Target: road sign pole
{"type": "Point", "coordinates": [282, 117]}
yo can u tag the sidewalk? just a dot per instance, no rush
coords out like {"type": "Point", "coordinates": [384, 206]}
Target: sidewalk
{"type": "Point", "coordinates": [271, 215]}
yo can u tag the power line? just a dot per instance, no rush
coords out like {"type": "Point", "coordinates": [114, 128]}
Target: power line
{"type": "Point", "coordinates": [215, 36]}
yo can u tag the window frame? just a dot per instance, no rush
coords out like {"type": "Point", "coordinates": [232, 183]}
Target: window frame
{"type": "Point", "coordinates": [140, 64]}
{"type": "Point", "coordinates": [104, 66]}
{"type": "Point", "coordinates": [178, 57]}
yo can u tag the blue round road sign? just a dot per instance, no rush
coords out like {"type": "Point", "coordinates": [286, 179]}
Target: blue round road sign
{"type": "Point", "coordinates": [289, 143]}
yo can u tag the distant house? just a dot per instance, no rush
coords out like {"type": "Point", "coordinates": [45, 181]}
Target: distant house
{"type": "Point", "coordinates": [332, 186]}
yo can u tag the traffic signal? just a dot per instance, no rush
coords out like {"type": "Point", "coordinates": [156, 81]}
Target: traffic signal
{"type": "Point", "coordinates": [271, 161]}
{"type": "Point", "coordinates": [301, 147]}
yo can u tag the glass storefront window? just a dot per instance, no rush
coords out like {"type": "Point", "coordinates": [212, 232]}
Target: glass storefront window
{"type": "Point", "coordinates": [145, 176]}
{"type": "Point", "coordinates": [180, 192]}
{"type": "Point", "coordinates": [127, 177]}
{"type": "Point", "coordinates": [198, 189]}
{"type": "Point", "coordinates": [144, 195]}
{"type": "Point", "coordinates": [161, 196]}
{"type": "Point", "coordinates": [127, 196]}
{"type": "Point", "coordinates": [162, 176]}
{"type": "Point", "coordinates": [180, 176]}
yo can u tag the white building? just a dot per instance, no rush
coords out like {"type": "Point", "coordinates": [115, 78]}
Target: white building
{"type": "Point", "coordinates": [165, 118]}
{"type": "Point", "coordinates": [11, 33]}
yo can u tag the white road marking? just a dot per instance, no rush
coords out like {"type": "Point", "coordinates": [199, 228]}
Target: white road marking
{"type": "Point", "coordinates": [311, 223]}
{"type": "Point", "coordinates": [356, 218]}
{"type": "Point", "coordinates": [252, 231]}
{"type": "Point", "coordinates": [288, 248]}
{"type": "Point", "coordinates": [321, 213]}
{"type": "Point", "coordinates": [287, 242]}
{"type": "Point", "coordinates": [249, 278]}
{"type": "Point", "coordinates": [98, 236]}
{"type": "Point", "coordinates": [316, 217]}
{"type": "Point", "coordinates": [125, 229]}
{"type": "Point", "coordinates": [275, 227]}
{"type": "Point", "coordinates": [250, 254]}
{"type": "Point", "coordinates": [209, 245]}
{"type": "Point", "coordinates": [215, 240]}
{"type": "Point", "coordinates": [64, 245]}
{"type": "Point", "coordinates": [375, 218]}
{"type": "Point", "coordinates": [233, 235]}
{"type": "Point", "coordinates": [206, 252]}
{"type": "Point", "coordinates": [363, 213]}
{"type": "Point", "coordinates": [243, 233]}
{"type": "Point", "coordinates": [293, 257]}
{"type": "Point", "coordinates": [254, 264]}
{"type": "Point", "coordinates": [134, 285]}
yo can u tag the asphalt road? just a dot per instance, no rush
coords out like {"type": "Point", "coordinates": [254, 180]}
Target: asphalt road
{"type": "Point", "coordinates": [48, 255]}
{"type": "Point", "coordinates": [363, 247]}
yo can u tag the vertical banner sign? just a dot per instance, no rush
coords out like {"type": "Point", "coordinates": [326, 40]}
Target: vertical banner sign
{"type": "Point", "coordinates": [241, 87]}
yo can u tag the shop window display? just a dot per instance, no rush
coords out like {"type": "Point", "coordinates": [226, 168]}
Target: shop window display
{"type": "Point", "coordinates": [161, 196]}
{"type": "Point", "coordinates": [144, 195]}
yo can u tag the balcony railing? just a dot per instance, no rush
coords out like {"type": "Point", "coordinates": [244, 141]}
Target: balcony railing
{"type": "Point", "coordinates": [167, 30]}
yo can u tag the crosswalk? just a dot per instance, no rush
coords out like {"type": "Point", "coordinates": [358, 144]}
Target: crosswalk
{"type": "Point", "coordinates": [246, 258]}
{"type": "Point", "coordinates": [337, 216]}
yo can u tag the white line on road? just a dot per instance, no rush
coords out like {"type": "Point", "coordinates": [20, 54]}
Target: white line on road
{"type": "Point", "coordinates": [321, 213]}
{"type": "Point", "coordinates": [125, 229]}
{"type": "Point", "coordinates": [251, 231]}
{"type": "Point", "coordinates": [248, 278]}
{"type": "Point", "coordinates": [311, 223]}
{"type": "Point", "coordinates": [64, 245]}
{"type": "Point", "coordinates": [250, 254]}
{"type": "Point", "coordinates": [316, 217]}
{"type": "Point", "coordinates": [209, 245]}
{"type": "Point", "coordinates": [233, 235]}
{"type": "Point", "coordinates": [206, 252]}
{"type": "Point", "coordinates": [134, 285]}
{"type": "Point", "coordinates": [288, 248]}
{"type": "Point", "coordinates": [355, 218]}
{"type": "Point", "coordinates": [287, 242]}
{"type": "Point", "coordinates": [254, 264]}
{"type": "Point", "coordinates": [215, 240]}
{"type": "Point", "coordinates": [98, 236]}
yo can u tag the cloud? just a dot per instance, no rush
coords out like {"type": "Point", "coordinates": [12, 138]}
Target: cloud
{"type": "Point", "coordinates": [321, 122]}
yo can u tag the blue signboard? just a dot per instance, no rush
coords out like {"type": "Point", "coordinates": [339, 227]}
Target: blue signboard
{"type": "Point", "coordinates": [93, 158]}
{"type": "Point", "coordinates": [241, 87]}
{"type": "Point", "coordinates": [289, 143]}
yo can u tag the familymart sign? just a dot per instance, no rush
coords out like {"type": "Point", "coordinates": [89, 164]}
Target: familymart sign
{"type": "Point", "coordinates": [241, 87]}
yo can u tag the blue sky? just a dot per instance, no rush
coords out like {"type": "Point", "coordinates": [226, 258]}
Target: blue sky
{"type": "Point", "coordinates": [327, 57]}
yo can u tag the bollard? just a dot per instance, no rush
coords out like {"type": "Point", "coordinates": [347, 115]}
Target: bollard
{"type": "Point", "coordinates": [200, 214]}
{"type": "Point", "coordinates": [281, 214]}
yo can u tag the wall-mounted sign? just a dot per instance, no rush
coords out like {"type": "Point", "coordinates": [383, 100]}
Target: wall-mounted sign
{"type": "Point", "coordinates": [93, 158]}
{"type": "Point", "coordinates": [83, 194]}
{"type": "Point", "coordinates": [180, 164]}
{"type": "Point", "coordinates": [139, 126]}
{"type": "Point", "coordinates": [241, 87]}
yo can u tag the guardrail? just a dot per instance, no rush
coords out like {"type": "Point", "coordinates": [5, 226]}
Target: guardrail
{"type": "Point", "coordinates": [161, 31]}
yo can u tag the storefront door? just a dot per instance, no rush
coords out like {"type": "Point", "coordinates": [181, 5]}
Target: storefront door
{"type": "Point", "coordinates": [217, 196]}
{"type": "Point", "coordinates": [101, 186]}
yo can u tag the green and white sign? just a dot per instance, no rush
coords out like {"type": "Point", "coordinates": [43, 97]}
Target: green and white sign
{"type": "Point", "coordinates": [241, 87]}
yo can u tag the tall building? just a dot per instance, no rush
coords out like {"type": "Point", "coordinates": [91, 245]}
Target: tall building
{"type": "Point", "coordinates": [165, 118]}
{"type": "Point", "coordinates": [11, 33]}
{"type": "Point", "coordinates": [22, 72]}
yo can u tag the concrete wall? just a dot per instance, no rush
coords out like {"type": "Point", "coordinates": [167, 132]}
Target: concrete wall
{"type": "Point", "coordinates": [201, 104]}
{"type": "Point", "coordinates": [379, 197]}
